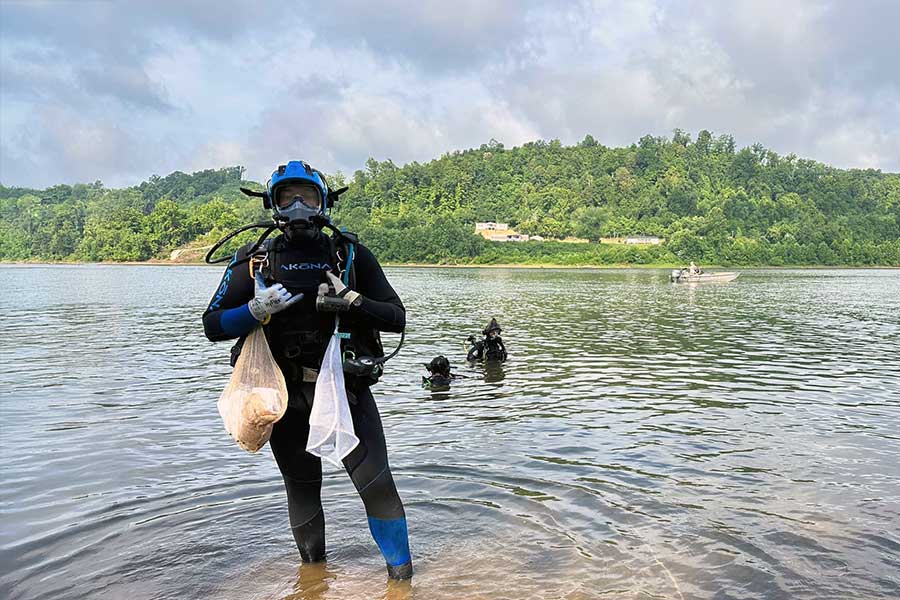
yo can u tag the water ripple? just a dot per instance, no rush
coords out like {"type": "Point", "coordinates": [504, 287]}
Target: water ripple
{"type": "Point", "coordinates": [644, 440]}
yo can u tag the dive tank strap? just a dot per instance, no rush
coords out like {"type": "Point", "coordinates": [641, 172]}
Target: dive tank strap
{"type": "Point", "coordinates": [258, 262]}
{"type": "Point", "coordinates": [351, 248]}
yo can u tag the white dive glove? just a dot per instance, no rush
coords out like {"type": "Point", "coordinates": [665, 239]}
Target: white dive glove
{"type": "Point", "coordinates": [340, 289]}
{"type": "Point", "coordinates": [270, 300]}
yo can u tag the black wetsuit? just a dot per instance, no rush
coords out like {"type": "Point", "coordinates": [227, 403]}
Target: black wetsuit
{"type": "Point", "coordinates": [298, 337]}
{"type": "Point", "coordinates": [488, 349]}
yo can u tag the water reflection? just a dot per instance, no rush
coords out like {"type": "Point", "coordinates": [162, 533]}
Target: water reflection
{"type": "Point", "coordinates": [493, 372]}
{"type": "Point", "coordinates": [313, 581]}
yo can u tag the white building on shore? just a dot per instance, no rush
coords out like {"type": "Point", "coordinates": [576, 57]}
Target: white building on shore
{"type": "Point", "coordinates": [491, 226]}
{"type": "Point", "coordinates": [643, 239]}
{"type": "Point", "coordinates": [499, 232]}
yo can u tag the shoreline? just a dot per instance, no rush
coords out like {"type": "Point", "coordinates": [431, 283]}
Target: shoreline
{"type": "Point", "coordinates": [165, 263]}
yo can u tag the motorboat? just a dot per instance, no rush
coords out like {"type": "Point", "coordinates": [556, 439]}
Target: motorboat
{"type": "Point", "coordinates": [684, 276]}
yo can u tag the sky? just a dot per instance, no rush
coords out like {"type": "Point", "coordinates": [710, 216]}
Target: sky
{"type": "Point", "coordinates": [119, 91]}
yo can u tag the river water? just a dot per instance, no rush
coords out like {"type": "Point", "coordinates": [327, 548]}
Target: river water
{"type": "Point", "coordinates": [645, 440]}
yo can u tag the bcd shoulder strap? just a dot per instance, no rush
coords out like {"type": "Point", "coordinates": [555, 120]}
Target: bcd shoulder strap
{"type": "Point", "coordinates": [344, 249]}
{"type": "Point", "coordinates": [265, 266]}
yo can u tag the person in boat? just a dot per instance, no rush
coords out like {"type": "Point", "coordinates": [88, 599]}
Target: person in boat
{"type": "Point", "coordinates": [694, 269]}
{"type": "Point", "coordinates": [298, 320]}
{"type": "Point", "coordinates": [490, 347]}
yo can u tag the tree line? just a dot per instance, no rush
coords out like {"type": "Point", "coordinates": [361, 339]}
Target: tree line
{"type": "Point", "coordinates": [709, 201]}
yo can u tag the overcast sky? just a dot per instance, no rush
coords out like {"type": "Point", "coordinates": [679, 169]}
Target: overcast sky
{"type": "Point", "coordinates": [118, 91]}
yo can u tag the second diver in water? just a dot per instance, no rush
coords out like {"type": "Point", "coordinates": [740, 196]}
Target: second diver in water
{"type": "Point", "coordinates": [441, 377]}
{"type": "Point", "coordinates": [489, 348]}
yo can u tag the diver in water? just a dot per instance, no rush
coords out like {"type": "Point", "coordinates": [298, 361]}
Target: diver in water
{"type": "Point", "coordinates": [490, 348]}
{"type": "Point", "coordinates": [441, 377]}
{"type": "Point", "coordinates": [297, 313]}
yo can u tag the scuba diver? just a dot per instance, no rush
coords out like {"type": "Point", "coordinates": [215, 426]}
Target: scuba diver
{"type": "Point", "coordinates": [293, 285]}
{"type": "Point", "coordinates": [441, 377]}
{"type": "Point", "coordinates": [490, 348]}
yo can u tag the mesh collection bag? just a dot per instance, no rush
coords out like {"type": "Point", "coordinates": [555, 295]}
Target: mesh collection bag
{"type": "Point", "coordinates": [256, 395]}
{"type": "Point", "coordinates": [331, 433]}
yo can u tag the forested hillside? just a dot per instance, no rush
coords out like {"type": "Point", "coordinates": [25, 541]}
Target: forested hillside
{"type": "Point", "coordinates": [710, 202]}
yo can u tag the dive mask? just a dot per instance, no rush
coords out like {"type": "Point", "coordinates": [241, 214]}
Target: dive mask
{"type": "Point", "coordinates": [296, 206]}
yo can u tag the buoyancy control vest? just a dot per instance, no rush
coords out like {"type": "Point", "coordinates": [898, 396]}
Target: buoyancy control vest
{"type": "Point", "coordinates": [299, 335]}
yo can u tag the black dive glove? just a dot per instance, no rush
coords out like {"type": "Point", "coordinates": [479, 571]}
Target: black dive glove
{"type": "Point", "coordinates": [338, 300]}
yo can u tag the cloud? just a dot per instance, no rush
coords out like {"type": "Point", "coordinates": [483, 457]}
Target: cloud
{"type": "Point", "coordinates": [749, 69]}
{"type": "Point", "coordinates": [129, 85]}
{"type": "Point", "coordinates": [344, 125]}
{"type": "Point", "coordinates": [101, 92]}
{"type": "Point", "coordinates": [431, 35]}
{"type": "Point", "coordinates": [68, 145]}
